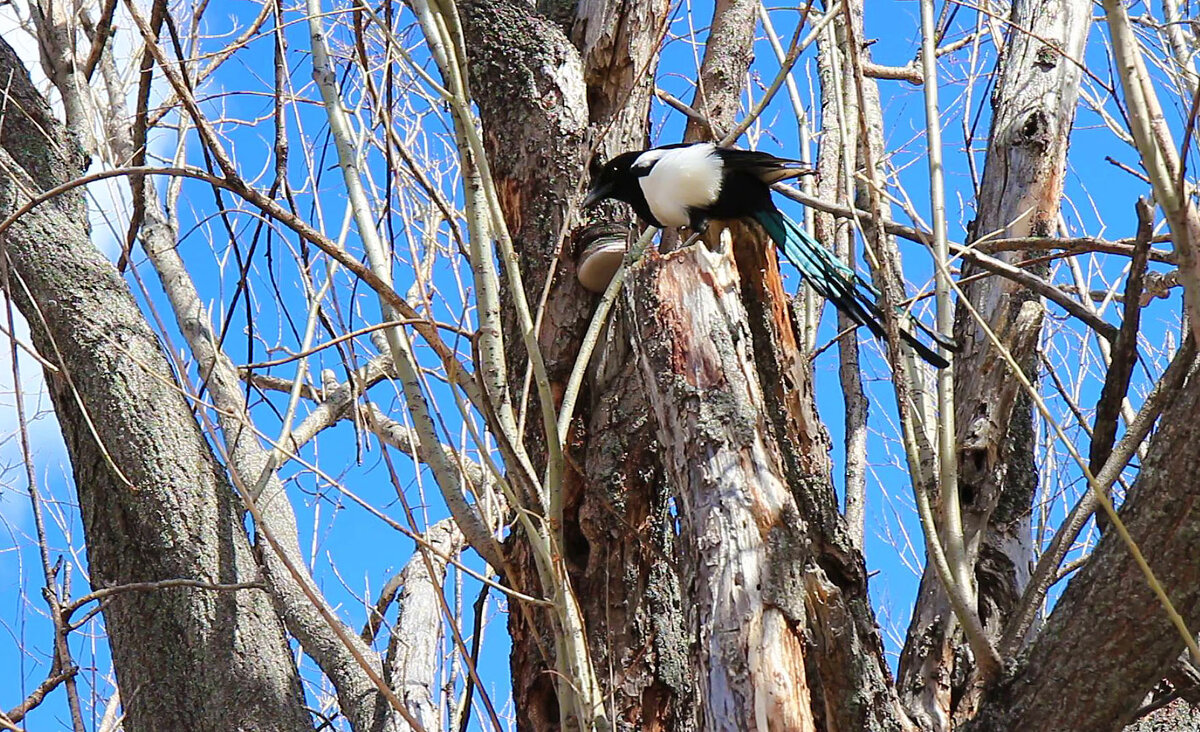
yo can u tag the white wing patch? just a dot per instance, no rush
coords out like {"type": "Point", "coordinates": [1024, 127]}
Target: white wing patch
{"type": "Point", "coordinates": [680, 178]}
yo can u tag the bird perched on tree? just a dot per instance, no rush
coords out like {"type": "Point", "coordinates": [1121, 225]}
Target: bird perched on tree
{"type": "Point", "coordinates": [689, 184]}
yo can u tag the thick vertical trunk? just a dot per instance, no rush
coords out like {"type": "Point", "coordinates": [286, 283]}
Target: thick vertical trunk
{"type": "Point", "coordinates": [541, 83]}
{"type": "Point", "coordinates": [741, 529]}
{"type": "Point", "coordinates": [785, 637]}
{"type": "Point", "coordinates": [630, 588]}
{"type": "Point", "coordinates": [156, 504]}
{"type": "Point", "coordinates": [1033, 108]}
{"type": "Point", "coordinates": [849, 686]}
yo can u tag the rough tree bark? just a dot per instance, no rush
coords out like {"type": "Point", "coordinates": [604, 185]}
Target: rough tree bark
{"type": "Point", "coordinates": [547, 85]}
{"type": "Point", "coordinates": [740, 526]}
{"type": "Point", "coordinates": [634, 608]}
{"type": "Point", "coordinates": [412, 656]}
{"type": "Point", "coordinates": [527, 81]}
{"type": "Point", "coordinates": [1033, 109]}
{"type": "Point", "coordinates": [156, 504]}
{"type": "Point", "coordinates": [843, 662]}
{"type": "Point", "coordinates": [764, 563]}
{"type": "Point", "coordinates": [1108, 640]}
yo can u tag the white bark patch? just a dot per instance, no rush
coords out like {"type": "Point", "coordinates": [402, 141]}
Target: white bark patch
{"type": "Point", "coordinates": [694, 349]}
{"type": "Point", "coordinates": [571, 96]}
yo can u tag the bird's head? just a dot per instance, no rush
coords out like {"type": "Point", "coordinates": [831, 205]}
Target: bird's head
{"type": "Point", "coordinates": [614, 179]}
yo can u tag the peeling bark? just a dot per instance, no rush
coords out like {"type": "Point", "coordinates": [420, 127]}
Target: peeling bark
{"type": "Point", "coordinates": [740, 525]}
{"type": "Point", "coordinates": [413, 650]}
{"type": "Point", "coordinates": [849, 682]}
{"type": "Point", "coordinates": [634, 607]}
{"type": "Point", "coordinates": [767, 555]}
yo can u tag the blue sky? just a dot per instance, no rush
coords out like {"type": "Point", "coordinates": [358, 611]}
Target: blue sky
{"type": "Point", "coordinates": [353, 553]}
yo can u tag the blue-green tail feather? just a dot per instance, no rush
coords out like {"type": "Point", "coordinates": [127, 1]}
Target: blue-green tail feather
{"type": "Point", "coordinates": [833, 280]}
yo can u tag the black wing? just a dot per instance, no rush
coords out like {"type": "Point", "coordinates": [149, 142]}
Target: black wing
{"type": "Point", "coordinates": [764, 166]}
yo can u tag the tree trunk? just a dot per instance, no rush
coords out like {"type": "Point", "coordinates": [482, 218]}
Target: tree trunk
{"type": "Point", "coordinates": [739, 522]}
{"type": "Point", "coordinates": [156, 504]}
{"type": "Point", "coordinates": [413, 649]}
{"type": "Point", "coordinates": [1033, 108]}
{"type": "Point", "coordinates": [765, 550]}
{"type": "Point", "coordinates": [617, 532]}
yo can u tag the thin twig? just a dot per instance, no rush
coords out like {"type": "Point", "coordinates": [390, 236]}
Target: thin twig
{"type": "Point", "coordinates": [947, 435]}
{"type": "Point", "coordinates": [107, 592]}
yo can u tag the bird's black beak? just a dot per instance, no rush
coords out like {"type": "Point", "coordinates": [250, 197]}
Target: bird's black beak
{"type": "Point", "coordinates": [597, 194]}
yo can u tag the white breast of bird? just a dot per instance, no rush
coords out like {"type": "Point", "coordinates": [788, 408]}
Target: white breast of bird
{"type": "Point", "coordinates": [680, 178]}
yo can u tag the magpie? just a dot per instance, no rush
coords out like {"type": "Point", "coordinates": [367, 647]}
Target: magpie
{"type": "Point", "coordinates": [689, 184]}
